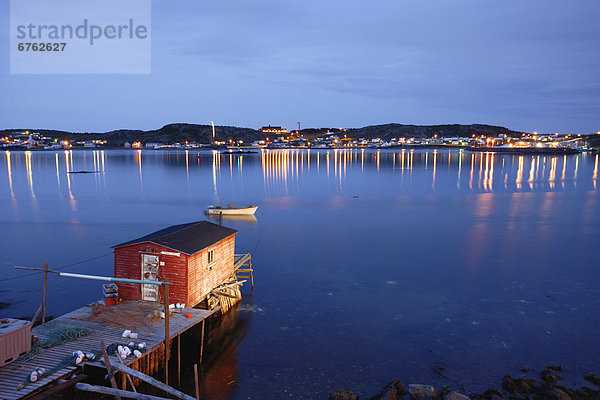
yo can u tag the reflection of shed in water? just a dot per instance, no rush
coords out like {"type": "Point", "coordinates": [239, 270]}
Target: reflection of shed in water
{"type": "Point", "coordinates": [196, 257]}
{"type": "Point", "coordinates": [220, 367]}
{"type": "Point", "coordinates": [220, 380]}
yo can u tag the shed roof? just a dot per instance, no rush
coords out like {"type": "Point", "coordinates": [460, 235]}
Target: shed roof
{"type": "Point", "coordinates": [187, 238]}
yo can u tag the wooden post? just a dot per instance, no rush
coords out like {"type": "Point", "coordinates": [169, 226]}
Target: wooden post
{"type": "Point", "coordinates": [196, 381]}
{"type": "Point", "coordinates": [123, 382]}
{"type": "Point", "coordinates": [127, 375]}
{"type": "Point", "coordinates": [167, 336]}
{"type": "Point", "coordinates": [109, 369]}
{"type": "Point", "coordinates": [251, 276]}
{"type": "Point", "coordinates": [179, 360]}
{"type": "Point", "coordinates": [202, 345]}
{"type": "Point", "coordinates": [44, 299]}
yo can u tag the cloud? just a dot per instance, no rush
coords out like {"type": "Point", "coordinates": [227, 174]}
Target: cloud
{"type": "Point", "coordinates": [529, 63]}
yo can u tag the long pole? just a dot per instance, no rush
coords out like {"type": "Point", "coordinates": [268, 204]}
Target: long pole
{"type": "Point", "coordinates": [167, 337]}
{"type": "Point", "coordinates": [115, 392]}
{"type": "Point", "coordinates": [201, 345]}
{"type": "Point", "coordinates": [213, 130]}
{"type": "Point", "coordinates": [154, 382]}
{"type": "Point", "coordinates": [109, 369]}
{"type": "Point", "coordinates": [44, 299]}
{"type": "Point", "coordinates": [96, 277]}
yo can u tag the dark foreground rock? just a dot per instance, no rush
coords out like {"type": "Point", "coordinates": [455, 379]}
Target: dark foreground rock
{"type": "Point", "coordinates": [425, 392]}
{"type": "Point", "coordinates": [593, 378]}
{"type": "Point", "coordinates": [392, 391]}
{"type": "Point", "coordinates": [455, 396]}
{"type": "Point", "coordinates": [547, 388]}
{"type": "Point", "coordinates": [343, 394]}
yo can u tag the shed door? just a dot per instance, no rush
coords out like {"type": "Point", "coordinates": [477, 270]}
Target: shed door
{"type": "Point", "coordinates": [149, 273]}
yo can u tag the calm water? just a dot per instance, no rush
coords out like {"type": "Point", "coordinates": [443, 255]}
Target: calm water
{"type": "Point", "coordinates": [369, 265]}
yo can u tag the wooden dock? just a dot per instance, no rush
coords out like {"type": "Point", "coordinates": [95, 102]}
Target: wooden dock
{"type": "Point", "coordinates": [14, 374]}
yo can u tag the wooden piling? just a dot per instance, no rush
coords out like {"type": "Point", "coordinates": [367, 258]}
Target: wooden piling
{"type": "Point", "coordinates": [201, 345]}
{"type": "Point", "coordinates": [167, 337]}
{"type": "Point", "coordinates": [251, 275]}
{"type": "Point", "coordinates": [44, 299]}
{"type": "Point", "coordinates": [197, 389]}
{"type": "Point", "coordinates": [178, 360]}
{"type": "Point", "coordinates": [125, 375]}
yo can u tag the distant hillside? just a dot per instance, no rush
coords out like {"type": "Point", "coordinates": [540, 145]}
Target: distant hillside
{"type": "Point", "coordinates": [389, 131]}
{"type": "Point", "coordinates": [179, 133]}
{"type": "Point", "coordinates": [202, 134]}
{"type": "Point", "coordinates": [172, 133]}
{"type": "Point", "coordinates": [594, 141]}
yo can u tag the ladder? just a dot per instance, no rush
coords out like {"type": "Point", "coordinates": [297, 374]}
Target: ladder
{"type": "Point", "coordinates": [243, 267]}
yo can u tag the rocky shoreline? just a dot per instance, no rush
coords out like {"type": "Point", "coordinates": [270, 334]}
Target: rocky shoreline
{"type": "Point", "coordinates": [548, 387]}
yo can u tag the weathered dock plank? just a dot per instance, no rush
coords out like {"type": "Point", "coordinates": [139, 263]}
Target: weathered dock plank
{"type": "Point", "coordinates": [14, 374]}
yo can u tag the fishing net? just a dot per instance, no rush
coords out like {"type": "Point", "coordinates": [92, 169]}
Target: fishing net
{"type": "Point", "coordinates": [54, 337]}
{"type": "Point", "coordinates": [127, 315]}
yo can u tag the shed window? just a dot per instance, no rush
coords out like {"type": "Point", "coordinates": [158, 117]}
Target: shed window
{"type": "Point", "coordinates": [211, 256]}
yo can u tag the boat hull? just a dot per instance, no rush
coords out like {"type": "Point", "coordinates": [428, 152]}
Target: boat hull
{"type": "Point", "coordinates": [232, 211]}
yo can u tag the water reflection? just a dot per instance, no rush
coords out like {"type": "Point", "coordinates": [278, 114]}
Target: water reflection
{"type": "Point", "coordinates": [69, 168]}
{"type": "Point", "coordinates": [288, 171]}
{"type": "Point", "coordinates": [216, 165]}
{"type": "Point", "coordinates": [497, 248]}
{"type": "Point", "coordinates": [9, 171]}
{"type": "Point", "coordinates": [138, 159]}
{"type": "Point", "coordinates": [460, 157]}
{"type": "Point", "coordinates": [487, 172]}
{"type": "Point", "coordinates": [57, 171]}
{"type": "Point", "coordinates": [100, 178]}
{"type": "Point", "coordinates": [434, 168]}
{"type": "Point", "coordinates": [29, 173]}
{"type": "Point", "coordinates": [251, 219]}
{"type": "Point", "coordinates": [220, 365]}
{"type": "Point", "coordinates": [595, 175]}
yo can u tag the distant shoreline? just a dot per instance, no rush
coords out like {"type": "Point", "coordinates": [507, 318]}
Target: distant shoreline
{"type": "Point", "coordinates": [254, 150]}
{"type": "Point", "coordinates": [526, 150]}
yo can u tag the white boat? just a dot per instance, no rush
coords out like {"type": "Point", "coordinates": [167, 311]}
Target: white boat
{"type": "Point", "coordinates": [231, 210]}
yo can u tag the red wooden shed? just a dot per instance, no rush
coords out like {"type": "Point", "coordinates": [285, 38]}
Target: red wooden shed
{"type": "Point", "coordinates": [196, 257]}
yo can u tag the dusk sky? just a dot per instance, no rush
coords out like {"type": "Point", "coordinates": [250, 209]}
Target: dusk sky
{"type": "Point", "coordinates": [527, 65]}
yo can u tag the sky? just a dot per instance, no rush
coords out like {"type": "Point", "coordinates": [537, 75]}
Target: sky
{"type": "Point", "coordinates": [529, 65]}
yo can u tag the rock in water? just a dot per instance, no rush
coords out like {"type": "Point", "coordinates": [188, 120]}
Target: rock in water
{"type": "Point", "coordinates": [343, 394]}
{"type": "Point", "coordinates": [491, 394]}
{"type": "Point", "coordinates": [392, 391]}
{"type": "Point", "coordinates": [553, 393]}
{"type": "Point", "coordinates": [586, 393]}
{"type": "Point", "coordinates": [424, 392]}
{"type": "Point", "coordinates": [593, 379]}
{"type": "Point", "coordinates": [455, 396]}
{"type": "Point", "coordinates": [519, 385]}
{"type": "Point", "coordinates": [550, 375]}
